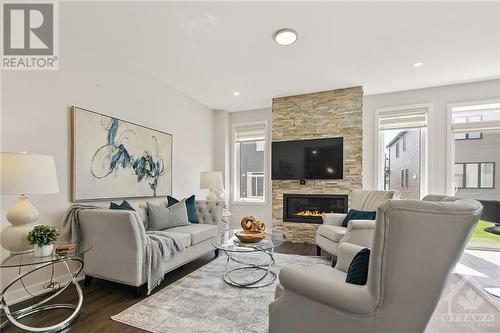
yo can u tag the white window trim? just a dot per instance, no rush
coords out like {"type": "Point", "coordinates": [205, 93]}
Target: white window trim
{"type": "Point", "coordinates": [450, 141]}
{"type": "Point", "coordinates": [235, 179]}
{"type": "Point", "coordinates": [424, 139]}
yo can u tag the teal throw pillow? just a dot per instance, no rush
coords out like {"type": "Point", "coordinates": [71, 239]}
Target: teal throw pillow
{"type": "Point", "coordinates": [355, 214]}
{"type": "Point", "coordinates": [190, 206]}
{"type": "Point", "coordinates": [358, 269]}
{"type": "Point", "coordinates": [125, 205]}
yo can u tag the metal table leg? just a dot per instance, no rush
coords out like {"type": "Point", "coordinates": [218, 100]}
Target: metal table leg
{"type": "Point", "coordinates": [13, 317]}
{"type": "Point", "coordinates": [256, 283]}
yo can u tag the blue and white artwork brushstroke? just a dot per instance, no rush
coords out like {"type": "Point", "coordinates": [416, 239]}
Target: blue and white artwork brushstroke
{"type": "Point", "coordinates": [114, 155]}
{"type": "Point", "coordinates": [117, 159]}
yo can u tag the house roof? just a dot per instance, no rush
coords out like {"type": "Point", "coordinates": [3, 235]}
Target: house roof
{"type": "Point", "coordinates": [396, 138]}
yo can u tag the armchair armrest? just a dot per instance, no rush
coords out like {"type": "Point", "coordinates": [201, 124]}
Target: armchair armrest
{"type": "Point", "coordinates": [333, 218]}
{"type": "Point", "coordinates": [327, 289]}
{"type": "Point", "coordinates": [345, 254]}
{"type": "Point", "coordinates": [361, 224]}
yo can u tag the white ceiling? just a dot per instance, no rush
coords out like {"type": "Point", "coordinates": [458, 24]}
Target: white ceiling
{"type": "Point", "coordinates": [208, 50]}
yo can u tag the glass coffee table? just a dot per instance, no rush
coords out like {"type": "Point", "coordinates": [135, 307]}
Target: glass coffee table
{"type": "Point", "coordinates": [31, 265]}
{"type": "Point", "coordinates": [248, 265]}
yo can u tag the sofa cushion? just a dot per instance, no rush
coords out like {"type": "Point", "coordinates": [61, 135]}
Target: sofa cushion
{"type": "Point", "coordinates": [190, 206]}
{"type": "Point", "coordinates": [332, 232]}
{"type": "Point", "coordinates": [199, 232]}
{"type": "Point", "coordinates": [165, 218]}
{"type": "Point", "coordinates": [355, 214]}
{"type": "Point", "coordinates": [358, 269]}
{"type": "Point", "coordinates": [125, 205]}
{"type": "Point", "coordinates": [185, 238]}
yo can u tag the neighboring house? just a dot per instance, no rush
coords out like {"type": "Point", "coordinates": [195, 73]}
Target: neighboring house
{"type": "Point", "coordinates": [252, 174]}
{"type": "Point", "coordinates": [403, 164]}
{"type": "Point", "coordinates": [477, 158]}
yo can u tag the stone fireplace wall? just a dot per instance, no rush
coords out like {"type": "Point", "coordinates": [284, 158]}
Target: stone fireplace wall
{"type": "Point", "coordinates": [335, 113]}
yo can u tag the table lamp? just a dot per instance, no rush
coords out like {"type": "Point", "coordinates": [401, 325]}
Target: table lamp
{"type": "Point", "coordinates": [212, 180]}
{"type": "Point", "coordinates": [24, 174]}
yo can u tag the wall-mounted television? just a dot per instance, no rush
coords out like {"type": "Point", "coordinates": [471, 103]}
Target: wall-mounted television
{"type": "Point", "coordinates": [308, 159]}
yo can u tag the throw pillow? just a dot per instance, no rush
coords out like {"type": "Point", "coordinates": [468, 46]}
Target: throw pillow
{"type": "Point", "coordinates": [161, 218]}
{"type": "Point", "coordinates": [125, 205]}
{"type": "Point", "coordinates": [190, 206]}
{"type": "Point", "coordinates": [355, 214]}
{"type": "Point", "coordinates": [358, 269]}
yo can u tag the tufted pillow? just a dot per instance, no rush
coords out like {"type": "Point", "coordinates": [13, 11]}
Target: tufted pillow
{"type": "Point", "coordinates": [163, 218]}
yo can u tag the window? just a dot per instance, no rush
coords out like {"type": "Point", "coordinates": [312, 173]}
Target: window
{"type": "Point", "coordinates": [478, 175]}
{"type": "Point", "coordinates": [249, 162]}
{"type": "Point", "coordinates": [407, 177]}
{"type": "Point", "coordinates": [401, 138]}
{"type": "Point", "coordinates": [468, 135]}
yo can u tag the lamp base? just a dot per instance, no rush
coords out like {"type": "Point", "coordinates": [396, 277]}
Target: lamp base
{"type": "Point", "coordinates": [13, 238]}
{"type": "Point", "coordinates": [212, 196]}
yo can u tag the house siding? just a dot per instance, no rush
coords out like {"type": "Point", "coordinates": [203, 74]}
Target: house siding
{"type": "Point", "coordinates": [408, 159]}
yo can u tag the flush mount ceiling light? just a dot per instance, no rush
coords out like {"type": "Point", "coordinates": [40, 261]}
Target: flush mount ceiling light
{"type": "Point", "coordinates": [285, 36]}
{"type": "Point", "coordinates": [236, 93]}
{"type": "Point", "coordinates": [418, 64]}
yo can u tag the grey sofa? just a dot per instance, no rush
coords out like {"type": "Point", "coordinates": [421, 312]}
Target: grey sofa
{"type": "Point", "coordinates": [118, 238]}
{"type": "Point", "coordinates": [416, 246]}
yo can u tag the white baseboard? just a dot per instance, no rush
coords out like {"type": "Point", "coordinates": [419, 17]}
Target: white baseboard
{"type": "Point", "coordinates": [19, 295]}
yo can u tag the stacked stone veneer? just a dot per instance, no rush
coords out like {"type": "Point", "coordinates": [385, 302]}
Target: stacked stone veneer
{"type": "Point", "coordinates": [336, 113]}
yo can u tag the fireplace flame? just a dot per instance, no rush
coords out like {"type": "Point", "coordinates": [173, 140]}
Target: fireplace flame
{"type": "Point", "coordinates": [310, 213]}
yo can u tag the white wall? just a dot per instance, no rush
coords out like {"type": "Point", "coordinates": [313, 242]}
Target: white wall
{"type": "Point", "coordinates": [440, 97]}
{"type": "Point", "coordinates": [35, 117]}
{"type": "Point", "coordinates": [260, 211]}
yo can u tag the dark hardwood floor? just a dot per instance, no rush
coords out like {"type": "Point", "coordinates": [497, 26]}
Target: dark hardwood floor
{"type": "Point", "coordinates": [102, 299]}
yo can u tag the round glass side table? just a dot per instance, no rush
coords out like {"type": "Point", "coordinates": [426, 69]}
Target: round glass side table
{"type": "Point", "coordinates": [258, 273]}
{"type": "Point", "coordinates": [33, 264]}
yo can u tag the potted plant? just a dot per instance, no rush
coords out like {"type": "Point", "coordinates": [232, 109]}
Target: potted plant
{"type": "Point", "coordinates": [43, 238]}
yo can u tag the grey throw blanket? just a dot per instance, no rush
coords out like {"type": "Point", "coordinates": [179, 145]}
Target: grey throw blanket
{"type": "Point", "coordinates": [70, 230]}
{"type": "Point", "coordinates": [161, 246]}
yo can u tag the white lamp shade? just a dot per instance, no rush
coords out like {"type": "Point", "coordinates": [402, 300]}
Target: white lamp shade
{"type": "Point", "coordinates": [211, 180]}
{"type": "Point", "coordinates": [27, 174]}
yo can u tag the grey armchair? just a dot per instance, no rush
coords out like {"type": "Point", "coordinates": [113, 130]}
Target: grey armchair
{"type": "Point", "coordinates": [331, 233]}
{"type": "Point", "coordinates": [415, 249]}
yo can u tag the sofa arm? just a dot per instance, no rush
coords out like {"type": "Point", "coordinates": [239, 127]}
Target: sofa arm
{"type": "Point", "coordinates": [209, 211]}
{"type": "Point", "coordinates": [359, 232]}
{"type": "Point", "coordinates": [361, 224]}
{"type": "Point", "coordinates": [345, 253]}
{"type": "Point", "coordinates": [335, 293]}
{"type": "Point", "coordinates": [118, 241]}
{"type": "Point", "coordinates": [333, 219]}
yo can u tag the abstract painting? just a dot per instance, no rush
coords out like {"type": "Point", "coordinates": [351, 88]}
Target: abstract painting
{"type": "Point", "coordinates": [113, 158]}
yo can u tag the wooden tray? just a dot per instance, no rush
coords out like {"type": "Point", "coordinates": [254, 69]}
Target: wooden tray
{"type": "Point", "coordinates": [250, 236]}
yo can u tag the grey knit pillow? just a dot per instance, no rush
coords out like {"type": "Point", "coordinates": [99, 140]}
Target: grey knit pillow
{"type": "Point", "coordinates": [161, 218]}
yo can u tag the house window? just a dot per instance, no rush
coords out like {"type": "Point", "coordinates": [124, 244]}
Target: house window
{"type": "Point", "coordinates": [478, 175]}
{"type": "Point", "coordinates": [402, 129]}
{"type": "Point", "coordinates": [467, 135]}
{"type": "Point", "coordinates": [249, 162]}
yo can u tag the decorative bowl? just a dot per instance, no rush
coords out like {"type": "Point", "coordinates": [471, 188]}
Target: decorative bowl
{"type": "Point", "coordinates": [250, 236]}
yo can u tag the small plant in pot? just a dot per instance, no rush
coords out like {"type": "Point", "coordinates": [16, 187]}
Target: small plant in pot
{"type": "Point", "coordinates": [43, 238]}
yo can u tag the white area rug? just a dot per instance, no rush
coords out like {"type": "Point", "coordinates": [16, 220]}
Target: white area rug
{"type": "Point", "coordinates": [481, 269]}
{"type": "Point", "coordinates": [203, 302]}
